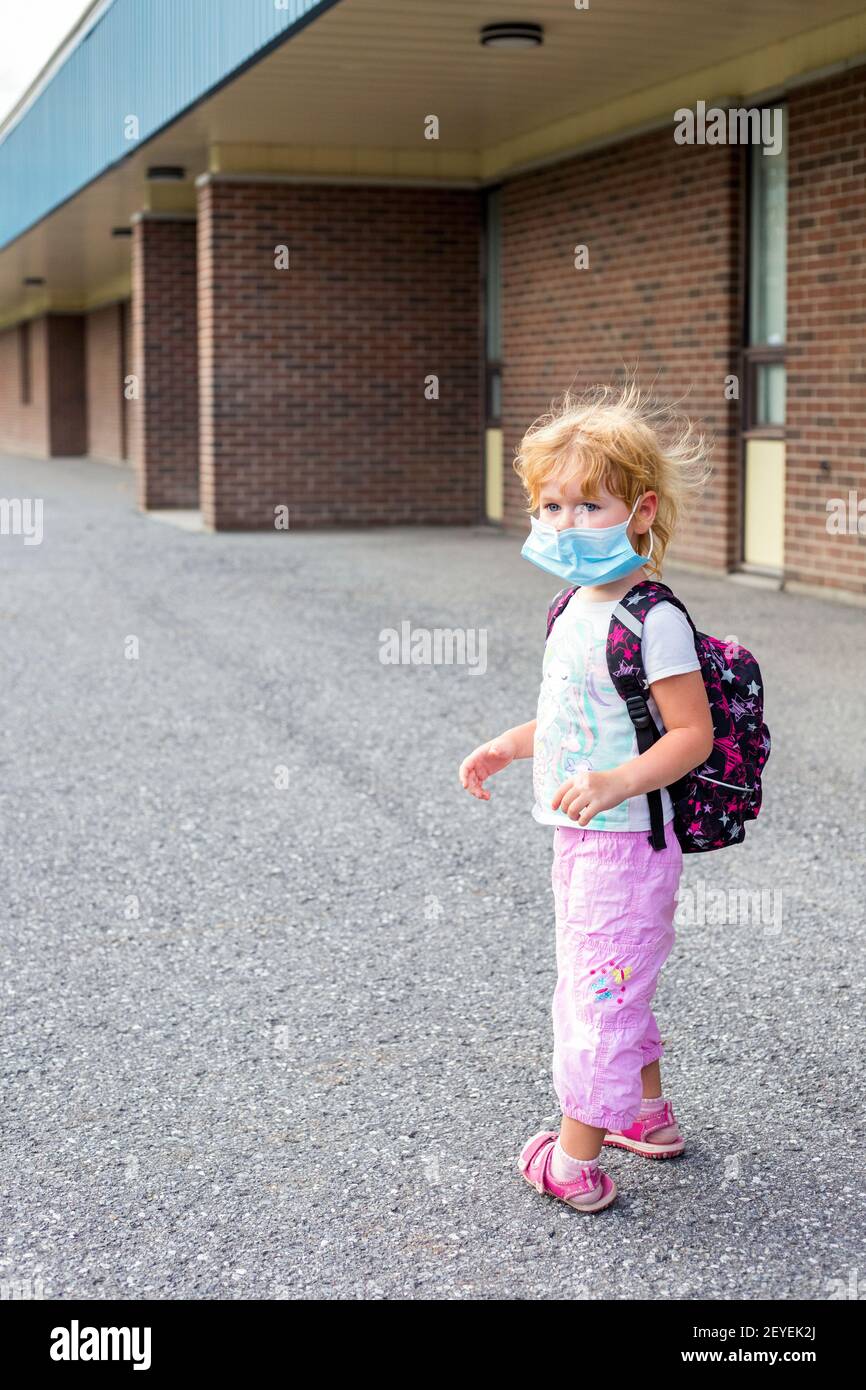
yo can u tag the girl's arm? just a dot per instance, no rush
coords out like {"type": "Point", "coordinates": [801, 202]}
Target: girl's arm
{"type": "Point", "coordinates": [494, 756]}
{"type": "Point", "coordinates": [521, 738]}
{"type": "Point", "coordinates": [687, 742]}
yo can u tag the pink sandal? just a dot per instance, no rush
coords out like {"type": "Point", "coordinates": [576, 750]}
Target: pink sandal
{"type": "Point", "coordinates": [583, 1194]}
{"type": "Point", "coordinates": [634, 1139]}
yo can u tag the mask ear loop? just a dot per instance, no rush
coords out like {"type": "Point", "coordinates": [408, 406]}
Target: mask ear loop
{"type": "Point", "coordinates": [648, 555]}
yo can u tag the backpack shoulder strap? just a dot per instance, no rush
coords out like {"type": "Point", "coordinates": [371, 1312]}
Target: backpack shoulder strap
{"type": "Point", "coordinates": [624, 654]}
{"type": "Point", "coordinates": [625, 664]}
{"type": "Point", "coordinates": [558, 604]}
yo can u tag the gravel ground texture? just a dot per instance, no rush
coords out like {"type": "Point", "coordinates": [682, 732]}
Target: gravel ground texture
{"type": "Point", "coordinates": [277, 991]}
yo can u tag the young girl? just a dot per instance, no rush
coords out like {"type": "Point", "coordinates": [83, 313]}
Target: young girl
{"type": "Point", "coordinates": [609, 474]}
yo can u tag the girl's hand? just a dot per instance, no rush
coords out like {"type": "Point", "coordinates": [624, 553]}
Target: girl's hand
{"type": "Point", "coordinates": [489, 758]}
{"type": "Point", "coordinates": [588, 794]}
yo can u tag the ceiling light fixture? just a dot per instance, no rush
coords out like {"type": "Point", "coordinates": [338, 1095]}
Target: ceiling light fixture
{"type": "Point", "coordinates": [512, 34]}
{"type": "Point", "coordinates": [166, 173]}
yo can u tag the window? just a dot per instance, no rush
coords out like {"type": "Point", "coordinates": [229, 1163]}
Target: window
{"type": "Point", "coordinates": [24, 363]}
{"type": "Point", "coordinates": [767, 252]}
{"type": "Point", "coordinates": [769, 393]}
{"type": "Point", "coordinates": [762, 525]}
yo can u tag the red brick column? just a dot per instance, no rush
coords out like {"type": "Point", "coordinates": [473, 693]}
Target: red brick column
{"type": "Point", "coordinates": [165, 360]}
{"type": "Point", "coordinates": [825, 451]}
{"type": "Point", "coordinates": [313, 377]}
{"type": "Point", "coordinates": [660, 222]}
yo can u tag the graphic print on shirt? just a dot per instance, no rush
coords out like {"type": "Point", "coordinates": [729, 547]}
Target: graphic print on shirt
{"type": "Point", "coordinates": [572, 734]}
{"type": "Point", "coordinates": [564, 736]}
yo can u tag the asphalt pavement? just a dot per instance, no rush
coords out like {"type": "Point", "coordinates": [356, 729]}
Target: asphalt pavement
{"type": "Point", "coordinates": [277, 991]}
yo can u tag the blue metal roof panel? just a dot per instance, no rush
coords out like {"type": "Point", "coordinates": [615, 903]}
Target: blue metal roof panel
{"type": "Point", "coordinates": [146, 58]}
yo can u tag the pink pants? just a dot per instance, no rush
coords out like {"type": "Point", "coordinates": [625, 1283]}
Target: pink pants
{"type": "Point", "coordinates": [615, 900]}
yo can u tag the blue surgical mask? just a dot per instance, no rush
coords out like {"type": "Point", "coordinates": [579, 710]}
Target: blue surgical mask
{"type": "Point", "coordinates": [584, 555]}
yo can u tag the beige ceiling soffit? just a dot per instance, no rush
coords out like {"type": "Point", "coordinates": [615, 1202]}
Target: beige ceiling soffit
{"type": "Point", "coordinates": [806, 79]}
{"type": "Point", "coordinates": [616, 137]}
{"type": "Point", "coordinates": [169, 197]}
{"type": "Point", "coordinates": [338, 181]}
{"type": "Point", "coordinates": [432, 165]}
{"type": "Point", "coordinates": [145, 216]}
{"type": "Point", "coordinates": [113, 292]}
{"type": "Point", "coordinates": [791, 60]}
{"type": "Point", "coordinates": [49, 304]}
{"type": "Point", "coordinates": [23, 314]}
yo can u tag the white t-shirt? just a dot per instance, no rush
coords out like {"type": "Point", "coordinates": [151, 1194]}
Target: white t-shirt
{"type": "Point", "coordinates": [582, 723]}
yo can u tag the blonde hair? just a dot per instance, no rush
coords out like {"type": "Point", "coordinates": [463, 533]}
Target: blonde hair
{"type": "Point", "coordinates": [625, 440]}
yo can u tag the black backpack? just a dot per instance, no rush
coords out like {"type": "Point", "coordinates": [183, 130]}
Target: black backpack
{"type": "Point", "coordinates": [712, 802]}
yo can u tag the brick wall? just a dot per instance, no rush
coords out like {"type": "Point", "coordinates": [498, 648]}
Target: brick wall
{"type": "Point", "coordinates": [661, 222]}
{"type": "Point", "coordinates": [165, 355]}
{"type": "Point", "coordinates": [313, 378]}
{"type": "Point", "coordinates": [105, 402]}
{"type": "Point", "coordinates": [826, 328]}
{"type": "Point", "coordinates": [55, 419]}
{"type": "Point", "coordinates": [24, 428]}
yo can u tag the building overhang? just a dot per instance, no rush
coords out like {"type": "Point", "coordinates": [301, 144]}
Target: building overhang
{"type": "Point", "coordinates": [372, 91]}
